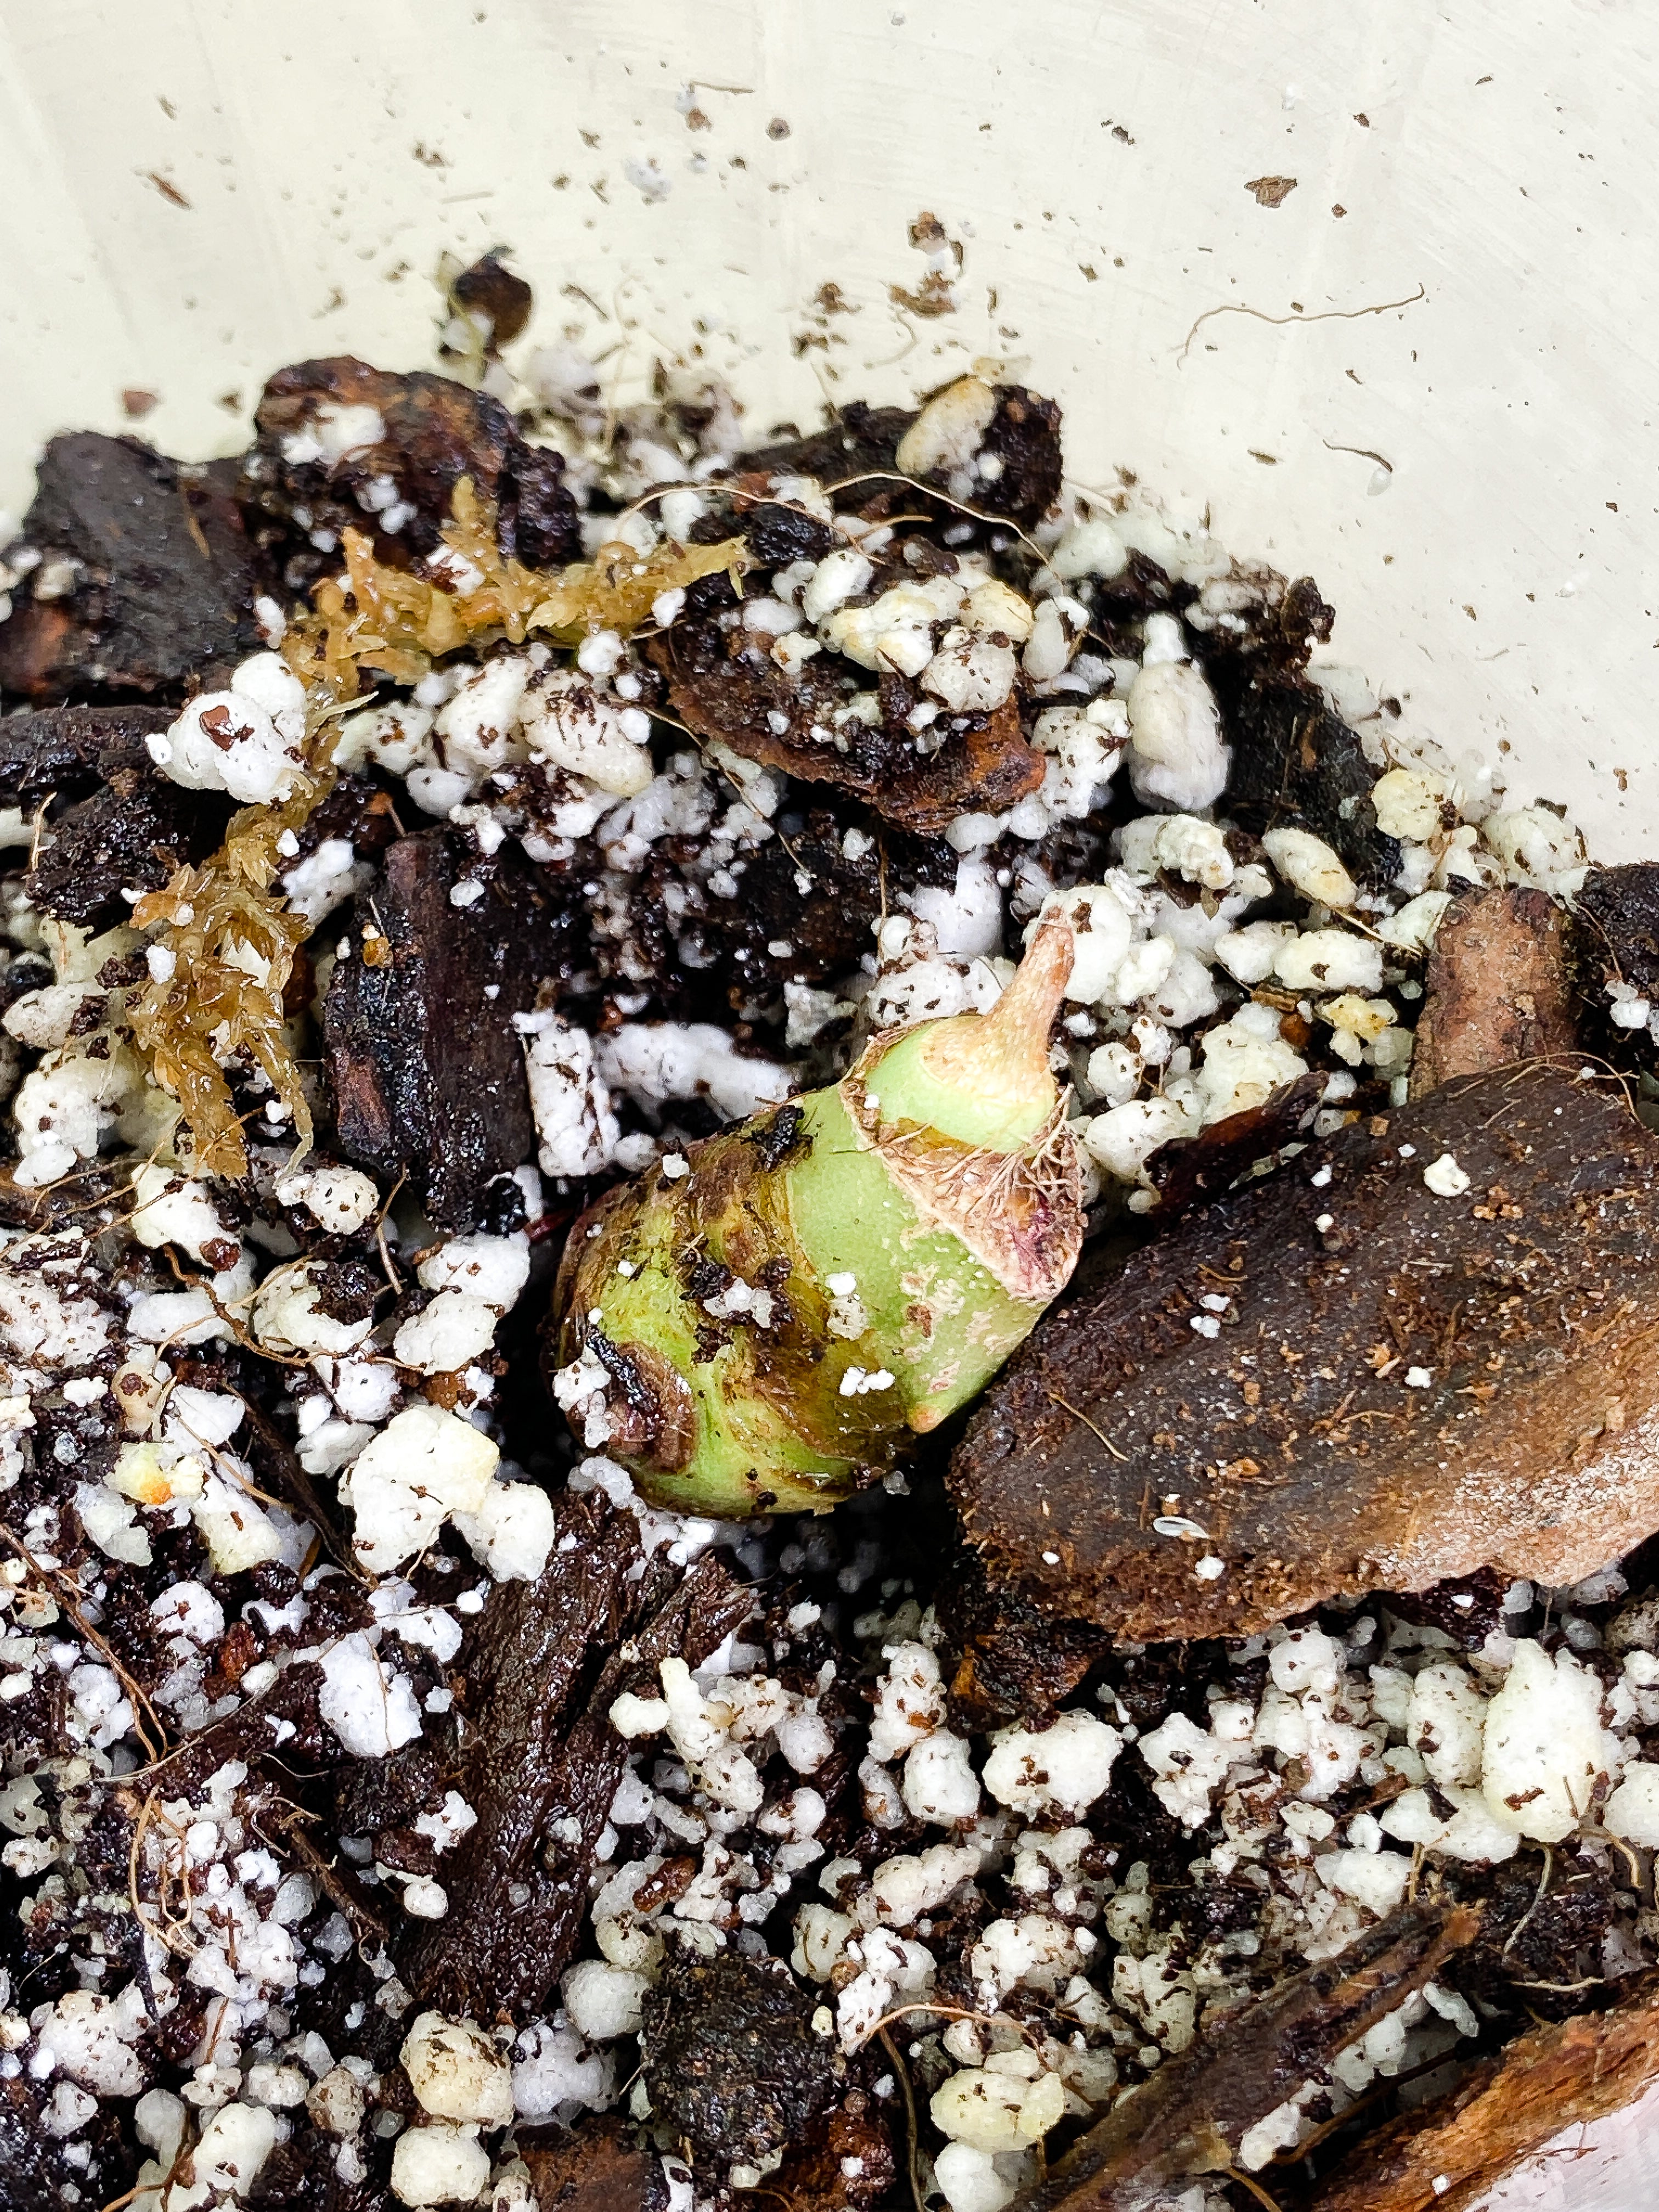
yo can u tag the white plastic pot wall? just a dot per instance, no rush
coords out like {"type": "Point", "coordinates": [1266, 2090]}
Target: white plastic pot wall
{"type": "Point", "coordinates": [1492, 161]}
{"type": "Point", "coordinates": [191, 194]}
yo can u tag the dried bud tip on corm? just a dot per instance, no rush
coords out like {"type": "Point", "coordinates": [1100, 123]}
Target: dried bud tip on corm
{"type": "Point", "coordinates": [772, 1331]}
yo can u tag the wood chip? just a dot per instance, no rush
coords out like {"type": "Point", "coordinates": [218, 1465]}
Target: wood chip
{"type": "Point", "coordinates": [1449, 2154]}
{"type": "Point", "coordinates": [1193, 2114]}
{"type": "Point", "coordinates": [1497, 987]}
{"type": "Point", "coordinates": [1405, 1387]}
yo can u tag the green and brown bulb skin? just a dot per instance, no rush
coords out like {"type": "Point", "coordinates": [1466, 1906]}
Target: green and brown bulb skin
{"type": "Point", "coordinates": [939, 1175]}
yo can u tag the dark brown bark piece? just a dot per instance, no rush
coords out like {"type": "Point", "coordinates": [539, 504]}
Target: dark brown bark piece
{"type": "Point", "coordinates": [550, 1659]}
{"type": "Point", "coordinates": [594, 2168]}
{"type": "Point", "coordinates": [167, 580]}
{"type": "Point", "coordinates": [1297, 762]}
{"type": "Point", "coordinates": [732, 2060]}
{"type": "Point", "coordinates": [436, 431]}
{"type": "Point", "coordinates": [490, 288]}
{"type": "Point", "coordinates": [71, 750]}
{"type": "Point", "coordinates": [719, 691]}
{"type": "Point", "coordinates": [130, 835]}
{"type": "Point", "coordinates": [1405, 1387]}
{"type": "Point", "coordinates": [427, 1070]}
{"type": "Point", "coordinates": [1191, 2116]}
{"type": "Point", "coordinates": [1497, 987]}
{"type": "Point", "coordinates": [1449, 2154]}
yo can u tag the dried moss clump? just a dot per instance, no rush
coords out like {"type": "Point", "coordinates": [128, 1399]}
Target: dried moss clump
{"type": "Point", "coordinates": [386, 619]}
{"type": "Point", "coordinates": [230, 943]}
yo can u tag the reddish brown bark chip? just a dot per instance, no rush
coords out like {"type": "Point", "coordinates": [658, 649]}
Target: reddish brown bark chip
{"type": "Point", "coordinates": [1497, 987]}
{"type": "Point", "coordinates": [592, 2168]}
{"type": "Point", "coordinates": [1402, 1387]}
{"type": "Point", "coordinates": [1448, 2155]}
{"type": "Point", "coordinates": [984, 765]}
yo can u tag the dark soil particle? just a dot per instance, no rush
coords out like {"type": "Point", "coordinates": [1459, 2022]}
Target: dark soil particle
{"type": "Point", "coordinates": [1540, 1933]}
{"type": "Point", "coordinates": [1010, 1662]}
{"type": "Point", "coordinates": [70, 750]}
{"type": "Point", "coordinates": [733, 2061]}
{"type": "Point", "coordinates": [300, 2174]}
{"type": "Point", "coordinates": [1296, 764]}
{"type": "Point", "coordinates": [777, 534]}
{"type": "Point", "coordinates": [1468, 1609]}
{"type": "Point", "coordinates": [862, 438]}
{"type": "Point", "coordinates": [1023, 438]}
{"type": "Point", "coordinates": [1614, 937]}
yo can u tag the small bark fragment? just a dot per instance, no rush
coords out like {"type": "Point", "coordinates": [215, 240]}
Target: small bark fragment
{"type": "Point", "coordinates": [1012, 1663]}
{"type": "Point", "coordinates": [595, 2167]}
{"type": "Point", "coordinates": [490, 289]}
{"type": "Point", "coordinates": [847, 2162]}
{"type": "Point", "coordinates": [1405, 1386]}
{"type": "Point", "coordinates": [1191, 2116]}
{"type": "Point", "coordinates": [1497, 987]}
{"type": "Point", "coordinates": [1449, 2154]}
{"type": "Point", "coordinates": [1204, 1166]}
